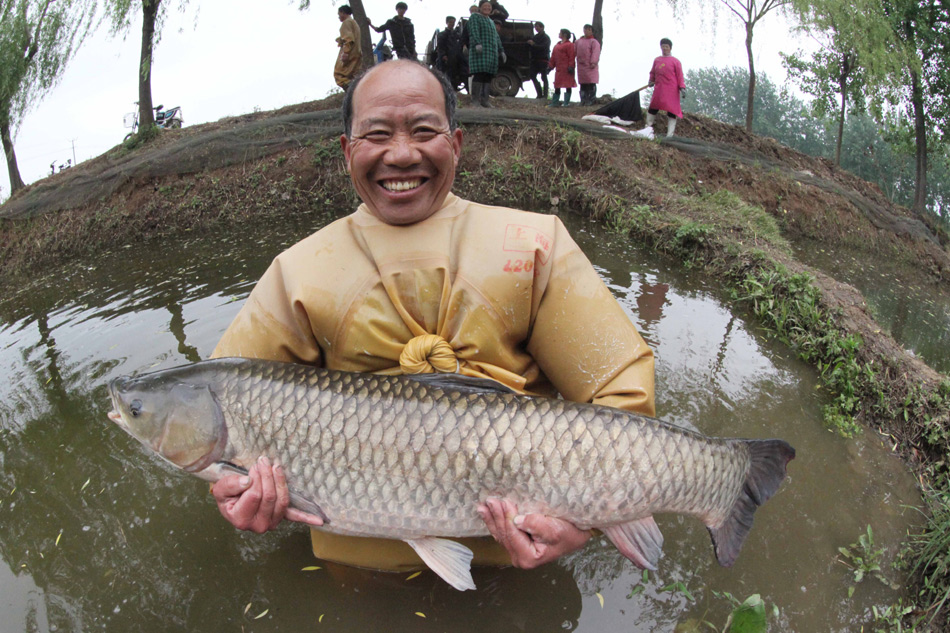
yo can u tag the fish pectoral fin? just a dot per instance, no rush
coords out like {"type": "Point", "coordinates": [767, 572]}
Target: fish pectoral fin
{"type": "Point", "coordinates": [641, 541]}
{"type": "Point", "coordinates": [452, 561]}
{"type": "Point", "coordinates": [308, 506]}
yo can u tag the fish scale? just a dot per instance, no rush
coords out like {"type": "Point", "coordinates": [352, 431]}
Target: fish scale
{"type": "Point", "coordinates": [411, 457]}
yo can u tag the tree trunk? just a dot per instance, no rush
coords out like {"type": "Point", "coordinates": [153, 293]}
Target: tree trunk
{"type": "Point", "coordinates": [749, 103]}
{"type": "Point", "coordinates": [598, 21]}
{"type": "Point", "coordinates": [366, 42]}
{"type": "Point", "coordinates": [920, 136]}
{"type": "Point", "coordinates": [146, 114]}
{"type": "Point", "coordinates": [16, 181]}
{"type": "Point", "coordinates": [843, 87]}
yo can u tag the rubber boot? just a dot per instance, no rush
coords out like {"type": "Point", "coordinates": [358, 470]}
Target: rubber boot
{"type": "Point", "coordinates": [650, 119]}
{"type": "Point", "coordinates": [477, 94]}
{"type": "Point", "coordinates": [555, 100]}
{"type": "Point", "coordinates": [486, 91]}
{"type": "Point", "coordinates": [670, 126]}
{"type": "Point", "coordinates": [567, 97]}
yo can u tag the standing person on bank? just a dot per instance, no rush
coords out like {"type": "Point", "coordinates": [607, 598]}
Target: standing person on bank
{"type": "Point", "coordinates": [588, 60]}
{"type": "Point", "coordinates": [484, 50]}
{"type": "Point", "coordinates": [562, 61]}
{"type": "Point", "coordinates": [495, 292]}
{"type": "Point", "coordinates": [540, 53]}
{"type": "Point", "coordinates": [401, 32]}
{"type": "Point", "coordinates": [350, 59]}
{"type": "Point", "coordinates": [666, 79]}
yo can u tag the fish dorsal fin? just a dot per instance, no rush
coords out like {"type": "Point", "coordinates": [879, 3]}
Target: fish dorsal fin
{"type": "Point", "coordinates": [452, 561]}
{"type": "Point", "coordinates": [641, 541]}
{"type": "Point", "coordinates": [458, 382]}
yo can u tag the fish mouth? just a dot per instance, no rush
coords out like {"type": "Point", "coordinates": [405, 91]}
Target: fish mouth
{"type": "Point", "coordinates": [402, 185]}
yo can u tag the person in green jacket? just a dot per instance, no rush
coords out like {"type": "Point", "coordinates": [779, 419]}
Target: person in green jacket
{"type": "Point", "coordinates": [484, 50]}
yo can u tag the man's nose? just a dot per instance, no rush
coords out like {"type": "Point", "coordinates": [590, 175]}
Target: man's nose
{"type": "Point", "coordinates": [402, 151]}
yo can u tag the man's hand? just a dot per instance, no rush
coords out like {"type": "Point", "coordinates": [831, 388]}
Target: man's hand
{"type": "Point", "coordinates": [531, 540]}
{"type": "Point", "coordinates": [258, 501]}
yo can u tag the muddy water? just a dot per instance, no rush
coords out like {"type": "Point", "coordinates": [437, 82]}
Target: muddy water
{"type": "Point", "coordinates": [97, 535]}
{"type": "Point", "coordinates": [910, 305]}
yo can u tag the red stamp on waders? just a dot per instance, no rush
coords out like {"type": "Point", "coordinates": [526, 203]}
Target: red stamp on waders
{"type": "Point", "coordinates": [528, 240]}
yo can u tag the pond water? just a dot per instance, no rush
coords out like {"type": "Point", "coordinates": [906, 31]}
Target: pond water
{"type": "Point", "coordinates": [97, 535]}
{"type": "Point", "coordinates": [910, 305]}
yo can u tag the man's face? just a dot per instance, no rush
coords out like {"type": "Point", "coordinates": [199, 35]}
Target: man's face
{"type": "Point", "coordinates": [401, 154]}
{"type": "Point", "coordinates": [450, 24]}
{"type": "Point", "coordinates": [400, 11]}
{"type": "Point", "coordinates": [588, 32]}
{"type": "Point", "coordinates": [667, 49]}
{"type": "Point", "coordinates": [538, 29]}
{"type": "Point", "coordinates": [485, 8]}
{"type": "Point", "coordinates": [342, 16]}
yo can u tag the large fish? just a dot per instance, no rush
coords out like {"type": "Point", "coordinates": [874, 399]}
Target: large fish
{"type": "Point", "coordinates": [411, 457]}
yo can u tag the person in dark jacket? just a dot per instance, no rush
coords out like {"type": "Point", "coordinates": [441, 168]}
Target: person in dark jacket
{"type": "Point", "coordinates": [401, 32]}
{"type": "Point", "coordinates": [540, 54]}
{"type": "Point", "coordinates": [498, 12]}
{"type": "Point", "coordinates": [448, 50]}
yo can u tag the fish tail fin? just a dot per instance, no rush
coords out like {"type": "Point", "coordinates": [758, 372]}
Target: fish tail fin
{"type": "Point", "coordinates": [769, 459]}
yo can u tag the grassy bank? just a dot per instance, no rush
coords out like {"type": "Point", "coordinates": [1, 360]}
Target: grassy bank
{"type": "Point", "coordinates": [733, 222]}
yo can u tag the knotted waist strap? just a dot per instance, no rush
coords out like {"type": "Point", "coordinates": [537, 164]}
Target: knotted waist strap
{"type": "Point", "coordinates": [428, 354]}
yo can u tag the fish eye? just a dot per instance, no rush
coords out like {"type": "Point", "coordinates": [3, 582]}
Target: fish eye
{"type": "Point", "coordinates": [135, 408]}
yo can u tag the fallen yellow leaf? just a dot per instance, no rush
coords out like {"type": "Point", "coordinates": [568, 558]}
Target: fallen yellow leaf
{"type": "Point", "coordinates": [320, 619]}
{"type": "Point", "coordinates": [411, 576]}
{"type": "Point", "coordinates": [420, 614]}
{"type": "Point", "coordinates": [311, 568]}
{"type": "Point", "coordinates": [261, 614]}
{"type": "Point", "coordinates": [601, 598]}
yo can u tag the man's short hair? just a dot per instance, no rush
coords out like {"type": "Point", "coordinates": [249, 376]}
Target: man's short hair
{"type": "Point", "coordinates": [345, 8]}
{"type": "Point", "coordinates": [402, 5]}
{"type": "Point", "coordinates": [450, 17]}
{"type": "Point", "coordinates": [539, 23]}
{"type": "Point", "coordinates": [666, 40]}
{"type": "Point", "coordinates": [451, 101]}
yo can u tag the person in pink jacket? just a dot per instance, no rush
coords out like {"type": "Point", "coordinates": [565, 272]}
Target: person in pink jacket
{"type": "Point", "coordinates": [588, 58]}
{"type": "Point", "coordinates": [562, 61]}
{"type": "Point", "coordinates": [666, 79]}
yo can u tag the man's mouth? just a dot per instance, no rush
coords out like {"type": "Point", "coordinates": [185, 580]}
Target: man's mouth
{"type": "Point", "coordinates": [398, 186]}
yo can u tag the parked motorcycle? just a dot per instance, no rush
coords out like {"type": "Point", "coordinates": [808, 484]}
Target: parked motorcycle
{"type": "Point", "coordinates": [165, 119]}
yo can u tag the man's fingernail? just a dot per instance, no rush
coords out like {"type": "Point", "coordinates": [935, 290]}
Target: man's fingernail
{"type": "Point", "coordinates": [245, 481]}
{"type": "Point", "coordinates": [518, 520]}
{"type": "Point", "coordinates": [263, 460]}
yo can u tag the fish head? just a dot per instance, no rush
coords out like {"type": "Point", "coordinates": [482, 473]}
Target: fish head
{"type": "Point", "coordinates": [180, 420]}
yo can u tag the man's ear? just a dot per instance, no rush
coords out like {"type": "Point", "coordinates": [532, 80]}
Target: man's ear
{"type": "Point", "coordinates": [457, 145]}
{"type": "Point", "coordinates": [345, 146]}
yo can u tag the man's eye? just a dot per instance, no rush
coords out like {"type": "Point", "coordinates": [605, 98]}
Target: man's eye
{"type": "Point", "coordinates": [424, 134]}
{"type": "Point", "coordinates": [377, 135]}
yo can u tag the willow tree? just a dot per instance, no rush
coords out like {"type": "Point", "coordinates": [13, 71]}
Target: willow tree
{"type": "Point", "coordinates": [750, 12]}
{"type": "Point", "coordinates": [923, 26]}
{"type": "Point", "coordinates": [859, 58]}
{"type": "Point", "coordinates": [366, 42]}
{"type": "Point", "coordinates": [598, 22]}
{"type": "Point", "coordinates": [122, 13]}
{"type": "Point", "coordinates": [37, 39]}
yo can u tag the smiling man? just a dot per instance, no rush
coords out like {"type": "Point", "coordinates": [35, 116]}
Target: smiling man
{"type": "Point", "coordinates": [419, 280]}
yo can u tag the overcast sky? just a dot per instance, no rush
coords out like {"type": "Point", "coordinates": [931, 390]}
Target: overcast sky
{"type": "Point", "coordinates": [220, 58]}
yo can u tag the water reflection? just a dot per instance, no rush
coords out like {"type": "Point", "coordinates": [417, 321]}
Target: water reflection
{"type": "Point", "coordinates": [95, 534]}
{"type": "Point", "coordinates": [908, 303]}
